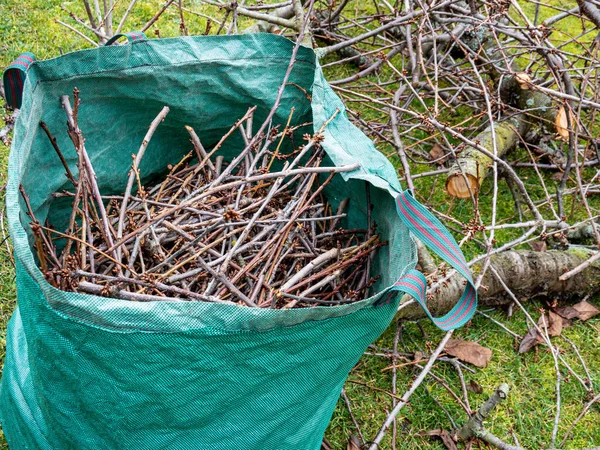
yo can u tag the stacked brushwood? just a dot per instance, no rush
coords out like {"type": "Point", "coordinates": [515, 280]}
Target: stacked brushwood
{"type": "Point", "coordinates": [242, 232]}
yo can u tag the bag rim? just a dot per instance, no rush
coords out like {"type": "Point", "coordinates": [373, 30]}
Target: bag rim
{"type": "Point", "coordinates": [97, 311]}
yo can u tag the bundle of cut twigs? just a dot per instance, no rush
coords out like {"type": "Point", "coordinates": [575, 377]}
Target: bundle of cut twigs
{"type": "Point", "coordinates": [241, 232]}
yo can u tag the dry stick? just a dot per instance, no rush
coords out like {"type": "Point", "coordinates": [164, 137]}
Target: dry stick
{"type": "Point", "coordinates": [206, 248]}
{"type": "Point", "coordinates": [77, 137]}
{"type": "Point", "coordinates": [34, 227]}
{"type": "Point", "coordinates": [96, 249]}
{"type": "Point", "coordinates": [580, 268]}
{"type": "Point", "coordinates": [89, 13]}
{"type": "Point", "coordinates": [447, 388]}
{"type": "Point", "coordinates": [250, 224]}
{"type": "Point", "coordinates": [501, 325]}
{"type": "Point", "coordinates": [125, 15]}
{"type": "Point", "coordinates": [157, 15]}
{"type": "Point", "coordinates": [267, 176]}
{"type": "Point", "coordinates": [586, 408]}
{"type": "Point", "coordinates": [199, 148]}
{"type": "Point", "coordinates": [58, 152]}
{"type": "Point", "coordinates": [283, 134]}
{"type": "Point", "coordinates": [285, 230]}
{"type": "Point", "coordinates": [206, 160]}
{"type": "Point", "coordinates": [91, 288]}
{"type": "Point", "coordinates": [286, 77]}
{"type": "Point", "coordinates": [79, 193]}
{"type": "Point", "coordinates": [339, 213]}
{"type": "Point", "coordinates": [535, 325]}
{"type": "Point", "coordinates": [324, 282]}
{"type": "Point", "coordinates": [354, 421]}
{"type": "Point", "coordinates": [474, 427]}
{"type": "Point", "coordinates": [392, 415]}
{"type": "Point", "coordinates": [398, 141]}
{"type": "Point", "coordinates": [155, 239]}
{"type": "Point", "coordinates": [136, 162]}
{"type": "Point", "coordinates": [228, 284]}
{"type": "Point", "coordinates": [90, 237]}
{"type": "Point", "coordinates": [407, 18]}
{"type": "Point", "coordinates": [77, 32]}
{"type": "Point", "coordinates": [46, 241]}
{"type": "Point", "coordinates": [303, 295]}
{"type": "Point", "coordinates": [583, 364]}
{"type": "Point", "coordinates": [334, 253]}
{"type": "Point", "coordinates": [107, 21]}
{"type": "Point", "coordinates": [155, 284]}
{"type": "Point", "coordinates": [343, 263]}
{"type": "Point", "coordinates": [182, 28]}
{"type": "Point", "coordinates": [98, 32]}
{"type": "Point", "coordinates": [173, 170]}
{"type": "Point", "coordinates": [229, 7]}
{"type": "Point", "coordinates": [98, 15]}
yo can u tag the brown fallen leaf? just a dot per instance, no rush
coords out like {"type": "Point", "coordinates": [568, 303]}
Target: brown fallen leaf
{"type": "Point", "coordinates": [553, 322]}
{"type": "Point", "coordinates": [539, 246]}
{"type": "Point", "coordinates": [530, 340]}
{"type": "Point", "coordinates": [582, 311]}
{"type": "Point", "coordinates": [437, 154]}
{"type": "Point", "coordinates": [444, 436]}
{"type": "Point", "coordinates": [561, 123]}
{"type": "Point", "coordinates": [474, 387]}
{"type": "Point", "coordinates": [470, 352]}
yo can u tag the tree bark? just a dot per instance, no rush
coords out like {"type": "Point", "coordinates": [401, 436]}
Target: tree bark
{"type": "Point", "coordinates": [527, 273]}
{"type": "Point", "coordinates": [537, 109]}
{"type": "Point", "coordinates": [470, 168]}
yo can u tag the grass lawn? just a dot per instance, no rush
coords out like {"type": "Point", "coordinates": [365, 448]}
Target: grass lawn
{"type": "Point", "coordinates": [528, 412]}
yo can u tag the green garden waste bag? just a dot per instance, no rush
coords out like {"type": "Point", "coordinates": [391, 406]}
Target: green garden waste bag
{"type": "Point", "coordinates": [89, 372]}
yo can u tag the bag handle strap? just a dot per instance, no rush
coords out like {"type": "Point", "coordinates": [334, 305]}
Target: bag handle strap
{"type": "Point", "coordinates": [15, 74]}
{"type": "Point", "coordinates": [14, 79]}
{"type": "Point", "coordinates": [132, 36]}
{"type": "Point", "coordinates": [429, 230]}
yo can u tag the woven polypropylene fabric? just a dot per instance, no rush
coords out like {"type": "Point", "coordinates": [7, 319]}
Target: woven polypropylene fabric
{"type": "Point", "coordinates": [87, 372]}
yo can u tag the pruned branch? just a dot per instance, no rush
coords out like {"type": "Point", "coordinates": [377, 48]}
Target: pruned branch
{"type": "Point", "coordinates": [474, 427]}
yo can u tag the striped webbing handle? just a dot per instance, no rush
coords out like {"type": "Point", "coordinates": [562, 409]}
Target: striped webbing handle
{"type": "Point", "coordinates": [429, 230]}
{"type": "Point", "coordinates": [132, 36]}
{"type": "Point", "coordinates": [14, 79]}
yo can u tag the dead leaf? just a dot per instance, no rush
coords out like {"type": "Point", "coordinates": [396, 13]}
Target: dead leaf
{"type": "Point", "coordinates": [539, 246]}
{"type": "Point", "coordinates": [474, 387]}
{"type": "Point", "coordinates": [437, 154]}
{"type": "Point", "coordinates": [561, 123]}
{"type": "Point", "coordinates": [553, 322]}
{"type": "Point", "coordinates": [445, 437]}
{"type": "Point", "coordinates": [470, 352]}
{"type": "Point", "coordinates": [353, 443]}
{"type": "Point", "coordinates": [557, 176]}
{"type": "Point", "coordinates": [582, 311]}
{"type": "Point", "coordinates": [531, 339]}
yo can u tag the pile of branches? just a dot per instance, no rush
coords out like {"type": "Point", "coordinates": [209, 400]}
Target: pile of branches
{"type": "Point", "coordinates": [238, 232]}
{"type": "Point", "coordinates": [466, 97]}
